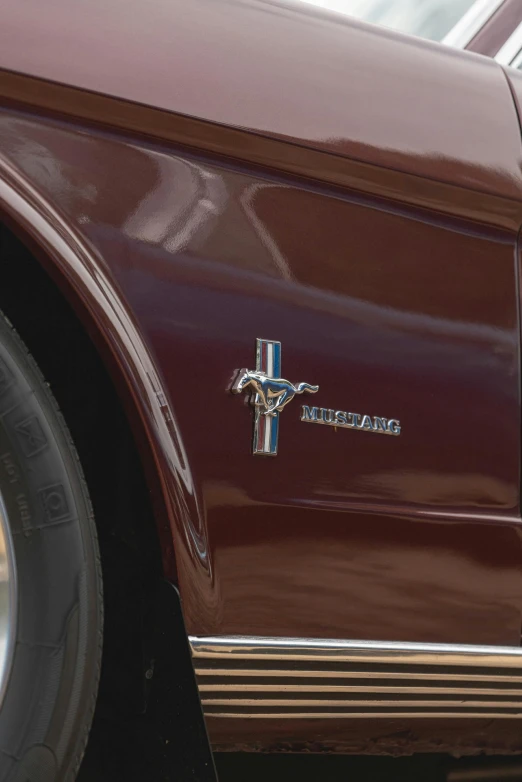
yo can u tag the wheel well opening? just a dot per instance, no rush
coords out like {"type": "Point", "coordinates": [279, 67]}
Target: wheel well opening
{"type": "Point", "coordinates": [130, 551]}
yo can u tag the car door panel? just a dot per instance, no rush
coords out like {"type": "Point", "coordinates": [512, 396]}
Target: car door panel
{"type": "Point", "coordinates": [392, 312]}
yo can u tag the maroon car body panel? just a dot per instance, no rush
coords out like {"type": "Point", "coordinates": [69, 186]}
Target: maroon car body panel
{"type": "Point", "coordinates": [355, 194]}
{"type": "Point", "coordinates": [325, 81]}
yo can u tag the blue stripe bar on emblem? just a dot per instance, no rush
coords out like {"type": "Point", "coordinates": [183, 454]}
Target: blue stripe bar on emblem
{"type": "Point", "coordinates": [277, 358]}
{"type": "Point", "coordinates": [274, 433]}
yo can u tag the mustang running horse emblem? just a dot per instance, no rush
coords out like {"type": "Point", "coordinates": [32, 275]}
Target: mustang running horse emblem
{"type": "Point", "coordinates": [271, 394]}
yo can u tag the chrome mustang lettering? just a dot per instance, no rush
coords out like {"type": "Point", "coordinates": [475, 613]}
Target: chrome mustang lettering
{"type": "Point", "coordinates": [394, 426]}
{"type": "Point", "coordinates": [340, 418]}
{"type": "Point", "coordinates": [309, 413]}
{"type": "Point", "coordinates": [380, 424]}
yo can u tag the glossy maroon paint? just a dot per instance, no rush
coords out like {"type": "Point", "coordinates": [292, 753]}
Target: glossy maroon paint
{"type": "Point", "coordinates": [283, 69]}
{"type": "Point", "coordinates": [514, 77]}
{"type": "Point", "coordinates": [394, 538]}
{"type": "Point", "coordinates": [397, 294]}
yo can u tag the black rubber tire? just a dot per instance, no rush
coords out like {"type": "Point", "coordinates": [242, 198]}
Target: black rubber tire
{"type": "Point", "coordinates": [49, 702]}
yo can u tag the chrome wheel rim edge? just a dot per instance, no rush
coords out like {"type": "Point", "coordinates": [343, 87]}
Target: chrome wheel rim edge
{"type": "Point", "coordinates": [8, 601]}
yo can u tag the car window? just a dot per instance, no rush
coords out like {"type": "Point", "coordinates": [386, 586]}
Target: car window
{"type": "Point", "coordinates": [431, 19]}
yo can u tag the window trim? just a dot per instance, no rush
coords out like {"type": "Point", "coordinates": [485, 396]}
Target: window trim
{"type": "Point", "coordinates": [471, 23]}
{"type": "Point", "coordinates": [510, 52]}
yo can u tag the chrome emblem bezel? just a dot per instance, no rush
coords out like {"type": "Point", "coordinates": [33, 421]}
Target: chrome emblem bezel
{"type": "Point", "coordinates": [271, 394]}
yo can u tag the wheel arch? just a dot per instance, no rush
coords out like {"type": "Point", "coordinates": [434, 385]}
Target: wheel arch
{"type": "Point", "coordinates": [76, 271]}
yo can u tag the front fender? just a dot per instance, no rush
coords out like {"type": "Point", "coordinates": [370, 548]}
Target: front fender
{"type": "Point", "coordinates": [85, 281]}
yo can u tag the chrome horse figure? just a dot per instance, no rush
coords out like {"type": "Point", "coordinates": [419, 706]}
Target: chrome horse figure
{"type": "Point", "coordinates": [273, 394]}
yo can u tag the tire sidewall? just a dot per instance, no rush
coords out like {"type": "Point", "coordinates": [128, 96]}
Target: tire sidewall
{"type": "Point", "coordinates": [49, 699]}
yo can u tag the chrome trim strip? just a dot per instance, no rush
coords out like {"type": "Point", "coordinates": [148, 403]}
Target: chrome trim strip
{"type": "Point", "coordinates": [261, 678]}
{"type": "Point", "coordinates": [328, 715]}
{"type": "Point", "coordinates": [508, 52]}
{"type": "Point", "coordinates": [471, 23]}
{"type": "Point", "coordinates": [348, 689]}
{"type": "Point", "coordinates": [275, 674]}
{"type": "Point", "coordinates": [245, 646]}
